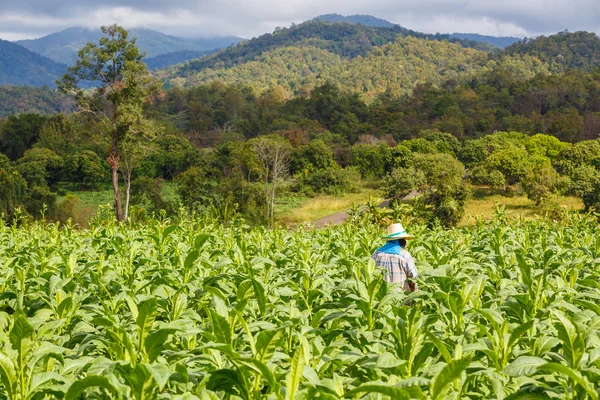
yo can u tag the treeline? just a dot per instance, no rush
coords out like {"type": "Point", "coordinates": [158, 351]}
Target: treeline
{"type": "Point", "coordinates": [394, 67]}
{"type": "Point", "coordinates": [27, 99]}
{"type": "Point", "coordinates": [563, 51]}
{"type": "Point", "coordinates": [226, 150]}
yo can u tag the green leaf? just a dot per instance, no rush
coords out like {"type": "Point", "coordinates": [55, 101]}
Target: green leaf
{"type": "Point", "coordinates": [155, 342]}
{"type": "Point", "coordinates": [266, 343]}
{"type": "Point", "coordinates": [576, 376]}
{"type": "Point", "coordinates": [8, 375]}
{"type": "Point", "coordinates": [79, 386]}
{"type": "Point", "coordinates": [391, 391]}
{"type": "Point", "coordinates": [294, 375]}
{"type": "Point", "coordinates": [221, 327]}
{"type": "Point", "coordinates": [146, 316]}
{"type": "Point", "coordinates": [524, 366]}
{"type": "Point", "coordinates": [259, 368]}
{"type": "Point", "coordinates": [19, 337]}
{"type": "Point", "coordinates": [440, 345]}
{"type": "Point", "coordinates": [518, 331]}
{"type": "Point", "coordinates": [161, 374]}
{"type": "Point", "coordinates": [227, 380]}
{"type": "Point", "coordinates": [259, 293]}
{"type": "Point", "coordinates": [447, 375]}
{"type": "Point", "coordinates": [191, 258]}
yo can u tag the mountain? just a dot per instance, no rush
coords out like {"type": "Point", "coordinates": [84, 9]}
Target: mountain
{"type": "Point", "coordinates": [393, 68]}
{"type": "Point", "coordinates": [366, 20]}
{"type": "Point", "coordinates": [177, 57]}
{"type": "Point", "coordinates": [19, 66]}
{"type": "Point", "coordinates": [563, 51]}
{"type": "Point", "coordinates": [497, 41]}
{"type": "Point", "coordinates": [63, 46]}
{"type": "Point", "coordinates": [345, 40]}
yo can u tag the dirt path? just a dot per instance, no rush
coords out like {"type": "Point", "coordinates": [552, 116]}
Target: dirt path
{"type": "Point", "coordinates": [340, 217]}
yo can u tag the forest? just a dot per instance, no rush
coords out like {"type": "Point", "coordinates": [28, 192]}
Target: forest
{"type": "Point", "coordinates": [507, 121]}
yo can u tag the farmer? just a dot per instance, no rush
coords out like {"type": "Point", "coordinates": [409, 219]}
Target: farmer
{"type": "Point", "coordinates": [395, 260]}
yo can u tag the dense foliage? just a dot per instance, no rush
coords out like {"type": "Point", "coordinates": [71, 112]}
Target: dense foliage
{"type": "Point", "coordinates": [563, 51]}
{"type": "Point", "coordinates": [197, 310]}
{"type": "Point", "coordinates": [29, 99]}
{"type": "Point", "coordinates": [342, 39]}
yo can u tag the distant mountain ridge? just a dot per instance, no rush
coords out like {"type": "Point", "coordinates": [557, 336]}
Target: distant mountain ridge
{"type": "Point", "coordinates": [63, 46]}
{"type": "Point", "coordinates": [498, 41]}
{"type": "Point", "coordinates": [20, 66]}
{"type": "Point", "coordinates": [369, 20]}
{"type": "Point", "coordinates": [366, 20]}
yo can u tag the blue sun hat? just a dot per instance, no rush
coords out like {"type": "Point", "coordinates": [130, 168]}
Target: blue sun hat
{"type": "Point", "coordinates": [397, 231]}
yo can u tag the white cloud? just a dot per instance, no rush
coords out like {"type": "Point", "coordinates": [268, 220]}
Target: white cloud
{"type": "Point", "coordinates": [247, 18]}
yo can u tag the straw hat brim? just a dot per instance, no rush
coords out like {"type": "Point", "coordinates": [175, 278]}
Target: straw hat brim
{"type": "Point", "coordinates": [396, 237]}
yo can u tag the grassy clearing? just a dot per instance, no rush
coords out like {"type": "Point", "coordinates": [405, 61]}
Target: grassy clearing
{"type": "Point", "coordinates": [310, 209]}
{"type": "Point", "coordinates": [484, 201]}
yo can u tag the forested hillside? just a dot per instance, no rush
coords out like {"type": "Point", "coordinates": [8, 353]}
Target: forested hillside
{"type": "Point", "coordinates": [19, 66]}
{"type": "Point", "coordinates": [563, 51]}
{"type": "Point", "coordinates": [63, 46]}
{"type": "Point", "coordinates": [394, 68]}
{"type": "Point", "coordinates": [342, 39]}
{"type": "Point", "coordinates": [29, 99]}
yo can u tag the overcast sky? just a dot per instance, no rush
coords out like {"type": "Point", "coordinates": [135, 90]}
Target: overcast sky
{"type": "Point", "coordinates": [21, 19]}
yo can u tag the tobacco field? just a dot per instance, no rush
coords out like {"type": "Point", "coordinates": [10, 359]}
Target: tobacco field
{"type": "Point", "coordinates": [198, 310]}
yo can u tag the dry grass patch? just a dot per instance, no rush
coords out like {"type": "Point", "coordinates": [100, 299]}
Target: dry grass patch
{"type": "Point", "coordinates": [323, 206]}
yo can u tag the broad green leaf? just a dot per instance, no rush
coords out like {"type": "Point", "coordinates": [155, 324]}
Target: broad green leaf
{"type": "Point", "coordinates": [8, 375]}
{"type": "Point", "coordinates": [440, 345]}
{"type": "Point", "coordinates": [524, 366]}
{"type": "Point", "coordinates": [228, 381]}
{"type": "Point", "coordinates": [79, 386]}
{"type": "Point", "coordinates": [259, 368]}
{"type": "Point", "coordinates": [191, 258]}
{"type": "Point", "coordinates": [259, 292]}
{"type": "Point", "coordinates": [576, 376]}
{"type": "Point", "coordinates": [266, 343]}
{"type": "Point", "coordinates": [447, 375]}
{"type": "Point", "coordinates": [294, 375]}
{"type": "Point", "coordinates": [146, 315]}
{"type": "Point", "coordinates": [155, 342]}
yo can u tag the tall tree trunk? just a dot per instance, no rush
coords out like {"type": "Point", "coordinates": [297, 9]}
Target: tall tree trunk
{"type": "Point", "coordinates": [267, 191]}
{"type": "Point", "coordinates": [113, 162]}
{"type": "Point", "coordinates": [273, 203]}
{"type": "Point", "coordinates": [127, 190]}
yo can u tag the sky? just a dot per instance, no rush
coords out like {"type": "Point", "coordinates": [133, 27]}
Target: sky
{"type": "Point", "coordinates": [27, 19]}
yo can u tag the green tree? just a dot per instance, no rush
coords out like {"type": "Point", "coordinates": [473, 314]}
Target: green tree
{"type": "Point", "coordinates": [586, 184]}
{"type": "Point", "coordinates": [85, 168]}
{"type": "Point", "coordinates": [13, 187]}
{"type": "Point", "coordinates": [124, 86]}
{"type": "Point", "coordinates": [19, 133]}
{"type": "Point", "coordinates": [439, 179]}
{"type": "Point", "coordinates": [540, 184]}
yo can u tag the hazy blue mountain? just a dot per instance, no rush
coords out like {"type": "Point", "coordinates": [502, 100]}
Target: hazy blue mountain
{"type": "Point", "coordinates": [366, 20]}
{"type": "Point", "coordinates": [498, 41]}
{"type": "Point", "coordinates": [177, 57]}
{"type": "Point", "coordinates": [63, 46]}
{"type": "Point", "coordinates": [20, 66]}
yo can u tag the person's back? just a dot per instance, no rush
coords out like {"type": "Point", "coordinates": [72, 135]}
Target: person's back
{"type": "Point", "coordinates": [395, 260]}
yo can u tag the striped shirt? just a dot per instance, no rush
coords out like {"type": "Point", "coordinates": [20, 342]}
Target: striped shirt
{"type": "Point", "coordinates": [397, 267]}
